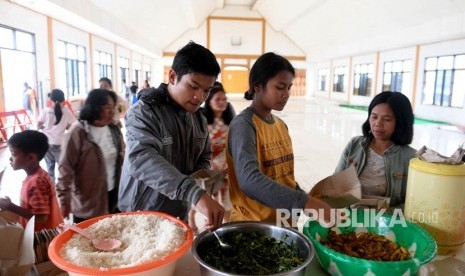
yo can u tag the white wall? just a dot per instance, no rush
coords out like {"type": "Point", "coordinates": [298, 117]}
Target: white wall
{"type": "Point", "coordinates": [444, 114]}
{"type": "Point", "coordinates": [249, 32]}
{"type": "Point", "coordinates": [198, 35]}
{"type": "Point", "coordinates": [279, 43]}
{"type": "Point", "coordinates": [251, 36]}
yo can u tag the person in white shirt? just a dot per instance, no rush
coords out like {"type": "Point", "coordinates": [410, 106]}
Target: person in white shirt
{"type": "Point", "coordinates": [53, 121]}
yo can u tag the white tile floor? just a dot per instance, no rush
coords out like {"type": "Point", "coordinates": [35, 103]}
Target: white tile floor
{"type": "Point", "coordinates": [319, 129]}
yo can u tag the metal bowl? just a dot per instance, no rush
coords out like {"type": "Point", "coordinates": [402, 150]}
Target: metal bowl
{"type": "Point", "coordinates": [287, 235]}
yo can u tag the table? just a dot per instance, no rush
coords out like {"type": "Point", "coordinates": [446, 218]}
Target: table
{"type": "Point", "coordinates": [187, 265]}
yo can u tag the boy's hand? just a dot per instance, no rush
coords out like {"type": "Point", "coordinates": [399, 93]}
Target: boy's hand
{"type": "Point", "coordinates": [5, 203]}
{"type": "Point", "coordinates": [211, 210]}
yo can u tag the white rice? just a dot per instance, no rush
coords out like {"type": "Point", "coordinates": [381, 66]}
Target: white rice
{"type": "Point", "coordinates": [144, 238]}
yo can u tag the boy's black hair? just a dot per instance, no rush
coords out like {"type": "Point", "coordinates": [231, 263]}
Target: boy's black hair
{"type": "Point", "coordinates": [107, 80]}
{"type": "Point", "coordinates": [96, 99]}
{"type": "Point", "coordinates": [194, 58]}
{"type": "Point", "coordinates": [402, 109]}
{"type": "Point", "coordinates": [227, 115]}
{"type": "Point", "coordinates": [265, 68]}
{"type": "Point", "coordinates": [30, 141]}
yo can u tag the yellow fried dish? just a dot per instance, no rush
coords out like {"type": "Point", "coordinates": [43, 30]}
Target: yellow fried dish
{"type": "Point", "coordinates": [368, 246]}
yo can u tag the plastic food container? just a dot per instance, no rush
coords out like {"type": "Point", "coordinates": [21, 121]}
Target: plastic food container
{"type": "Point", "coordinates": [435, 200]}
{"type": "Point", "coordinates": [162, 267]}
{"type": "Point", "coordinates": [417, 241]}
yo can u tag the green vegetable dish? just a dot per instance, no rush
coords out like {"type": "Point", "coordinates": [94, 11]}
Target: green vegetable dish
{"type": "Point", "coordinates": [252, 253]}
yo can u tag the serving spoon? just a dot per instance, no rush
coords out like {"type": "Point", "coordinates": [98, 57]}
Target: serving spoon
{"type": "Point", "coordinates": [101, 244]}
{"type": "Point", "coordinates": [222, 244]}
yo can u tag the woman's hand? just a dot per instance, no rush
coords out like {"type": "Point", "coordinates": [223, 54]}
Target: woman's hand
{"type": "Point", "coordinates": [321, 207]}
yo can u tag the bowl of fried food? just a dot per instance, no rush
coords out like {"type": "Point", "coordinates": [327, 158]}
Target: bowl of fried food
{"type": "Point", "coordinates": [370, 242]}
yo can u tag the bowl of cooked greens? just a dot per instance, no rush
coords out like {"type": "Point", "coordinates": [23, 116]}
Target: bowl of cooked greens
{"type": "Point", "coordinates": [257, 248]}
{"type": "Point", "coordinates": [369, 242]}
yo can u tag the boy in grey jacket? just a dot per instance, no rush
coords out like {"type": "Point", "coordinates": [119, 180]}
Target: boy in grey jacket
{"type": "Point", "coordinates": [167, 140]}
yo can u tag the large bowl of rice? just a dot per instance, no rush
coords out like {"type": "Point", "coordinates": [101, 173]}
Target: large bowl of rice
{"type": "Point", "coordinates": [152, 242]}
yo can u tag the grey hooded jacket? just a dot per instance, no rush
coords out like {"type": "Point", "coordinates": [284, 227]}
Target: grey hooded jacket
{"type": "Point", "coordinates": [396, 160]}
{"type": "Point", "coordinates": [164, 145]}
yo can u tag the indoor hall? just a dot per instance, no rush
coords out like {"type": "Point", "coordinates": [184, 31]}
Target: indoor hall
{"type": "Point", "coordinates": [319, 130]}
{"type": "Point", "coordinates": [344, 53]}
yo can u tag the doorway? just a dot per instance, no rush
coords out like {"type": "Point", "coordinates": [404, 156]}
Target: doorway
{"type": "Point", "coordinates": [17, 68]}
{"type": "Point", "coordinates": [235, 79]}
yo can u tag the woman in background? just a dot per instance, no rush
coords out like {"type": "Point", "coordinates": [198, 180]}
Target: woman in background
{"type": "Point", "coordinates": [121, 105]}
{"type": "Point", "coordinates": [381, 156]}
{"type": "Point", "coordinates": [219, 113]}
{"type": "Point", "coordinates": [90, 165]}
{"type": "Point", "coordinates": [53, 121]}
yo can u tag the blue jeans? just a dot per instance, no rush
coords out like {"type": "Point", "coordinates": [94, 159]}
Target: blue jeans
{"type": "Point", "coordinates": [51, 158]}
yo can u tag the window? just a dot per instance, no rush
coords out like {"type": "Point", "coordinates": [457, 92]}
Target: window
{"type": "Point", "coordinates": [363, 78]}
{"type": "Point", "coordinates": [444, 83]}
{"type": "Point", "coordinates": [6, 38]}
{"type": "Point", "coordinates": [339, 79]}
{"type": "Point", "coordinates": [397, 76]}
{"type": "Point", "coordinates": [124, 68]}
{"type": "Point", "coordinates": [18, 65]}
{"type": "Point", "coordinates": [14, 39]}
{"type": "Point", "coordinates": [322, 80]}
{"type": "Point", "coordinates": [72, 68]}
{"type": "Point", "coordinates": [148, 72]}
{"type": "Point", "coordinates": [103, 64]}
{"type": "Point", "coordinates": [137, 72]}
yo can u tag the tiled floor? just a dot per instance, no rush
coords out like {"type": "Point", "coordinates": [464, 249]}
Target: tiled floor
{"type": "Point", "coordinates": [319, 129]}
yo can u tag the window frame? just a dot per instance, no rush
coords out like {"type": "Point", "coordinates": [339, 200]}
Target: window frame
{"type": "Point", "coordinates": [443, 92]}
{"type": "Point", "coordinates": [398, 79]}
{"type": "Point", "coordinates": [322, 79]}
{"type": "Point", "coordinates": [339, 78]}
{"type": "Point", "coordinates": [103, 64]}
{"type": "Point", "coordinates": [365, 79]}
{"type": "Point", "coordinates": [75, 71]}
